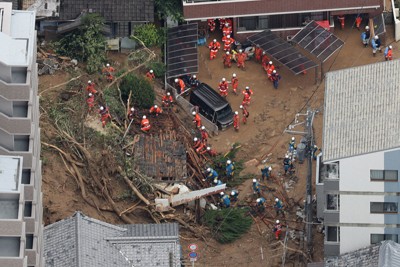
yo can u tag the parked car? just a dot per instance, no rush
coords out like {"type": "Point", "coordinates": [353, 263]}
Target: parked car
{"type": "Point", "coordinates": [212, 106]}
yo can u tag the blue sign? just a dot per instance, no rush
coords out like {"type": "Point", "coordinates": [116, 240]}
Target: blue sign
{"type": "Point", "coordinates": [193, 255]}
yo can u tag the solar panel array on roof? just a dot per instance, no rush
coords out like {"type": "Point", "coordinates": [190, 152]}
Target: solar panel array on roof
{"type": "Point", "coordinates": [282, 51]}
{"type": "Point", "coordinates": [318, 41]}
{"type": "Point", "coordinates": [182, 50]}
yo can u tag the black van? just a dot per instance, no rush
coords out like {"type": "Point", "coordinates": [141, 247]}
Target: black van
{"type": "Point", "coordinates": [212, 106]}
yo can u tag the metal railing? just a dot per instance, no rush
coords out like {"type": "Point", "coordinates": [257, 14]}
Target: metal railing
{"type": "Point", "coordinates": [189, 108]}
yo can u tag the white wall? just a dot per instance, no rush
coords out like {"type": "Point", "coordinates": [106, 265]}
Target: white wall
{"type": "Point", "coordinates": [353, 238]}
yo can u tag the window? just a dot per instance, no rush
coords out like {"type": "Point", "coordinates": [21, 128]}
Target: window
{"type": "Point", "coordinates": [383, 207]}
{"type": "Point", "coordinates": [332, 202]}
{"type": "Point", "coordinates": [384, 175]}
{"type": "Point", "coordinates": [333, 233]}
{"type": "Point", "coordinates": [376, 238]}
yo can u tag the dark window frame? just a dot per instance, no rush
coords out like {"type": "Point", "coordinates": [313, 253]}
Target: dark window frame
{"type": "Point", "coordinates": [337, 234]}
{"type": "Point", "coordinates": [383, 237]}
{"type": "Point", "coordinates": [384, 175]}
{"type": "Point", "coordinates": [386, 207]}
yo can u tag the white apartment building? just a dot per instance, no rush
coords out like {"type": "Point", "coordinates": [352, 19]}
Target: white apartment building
{"type": "Point", "coordinates": [358, 190]}
{"type": "Point", "coordinates": [21, 212]}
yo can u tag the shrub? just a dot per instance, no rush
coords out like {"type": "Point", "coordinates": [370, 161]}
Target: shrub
{"type": "Point", "coordinates": [149, 34]}
{"type": "Point", "coordinates": [158, 68]}
{"type": "Point", "coordinates": [229, 224]}
{"type": "Point", "coordinates": [142, 92]}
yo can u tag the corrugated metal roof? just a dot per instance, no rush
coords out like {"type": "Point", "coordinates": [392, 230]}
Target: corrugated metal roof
{"type": "Point", "coordinates": [362, 110]}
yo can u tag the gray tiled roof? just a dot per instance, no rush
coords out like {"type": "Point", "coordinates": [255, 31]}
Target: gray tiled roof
{"type": "Point", "coordinates": [362, 110]}
{"type": "Point", "coordinates": [116, 10]}
{"type": "Point", "coordinates": [81, 241]}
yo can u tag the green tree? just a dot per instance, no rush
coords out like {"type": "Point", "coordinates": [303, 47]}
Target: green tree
{"type": "Point", "coordinates": [227, 225]}
{"type": "Point", "coordinates": [86, 43]}
{"type": "Point", "coordinates": [149, 34]}
{"type": "Point", "coordinates": [142, 92]}
{"type": "Point", "coordinates": [169, 8]}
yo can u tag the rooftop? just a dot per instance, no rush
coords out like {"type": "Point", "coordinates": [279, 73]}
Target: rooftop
{"type": "Point", "coordinates": [83, 241]}
{"type": "Point", "coordinates": [362, 110]}
{"type": "Point", "coordinates": [10, 173]}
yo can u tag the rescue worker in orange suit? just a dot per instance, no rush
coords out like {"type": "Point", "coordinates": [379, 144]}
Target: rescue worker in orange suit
{"type": "Point", "coordinates": [227, 60]}
{"type": "Point", "coordinates": [108, 71]}
{"type": "Point", "coordinates": [145, 124]}
{"type": "Point", "coordinates": [277, 229]}
{"type": "Point", "coordinates": [150, 75]}
{"type": "Point", "coordinates": [211, 152]}
{"type": "Point", "coordinates": [204, 135]}
{"type": "Point", "coordinates": [269, 68]}
{"type": "Point", "coordinates": [167, 100]}
{"type": "Point", "coordinates": [228, 42]}
{"type": "Point", "coordinates": [226, 30]}
{"type": "Point", "coordinates": [104, 115]}
{"type": "Point", "coordinates": [90, 101]}
{"type": "Point", "coordinates": [196, 119]}
{"type": "Point", "coordinates": [341, 20]}
{"type": "Point", "coordinates": [258, 53]}
{"type": "Point", "coordinates": [265, 59]}
{"type": "Point", "coordinates": [234, 83]}
{"type": "Point", "coordinates": [236, 121]}
{"type": "Point", "coordinates": [388, 53]}
{"type": "Point", "coordinates": [245, 114]}
{"type": "Point", "coordinates": [358, 22]}
{"type": "Point", "coordinates": [179, 85]}
{"type": "Point", "coordinates": [211, 25]}
{"type": "Point", "coordinates": [90, 87]}
{"type": "Point", "coordinates": [246, 96]}
{"type": "Point", "coordinates": [240, 59]}
{"type": "Point", "coordinates": [221, 23]}
{"type": "Point", "coordinates": [214, 46]}
{"type": "Point", "coordinates": [229, 21]}
{"type": "Point", "coordinates": [223, 87]}
{"type": "Point", "coordinates": [197, 144]}
{"type": "Point", "coordinates": [132, 114]}
{"type": "Point", "coordinates": [155, 110]}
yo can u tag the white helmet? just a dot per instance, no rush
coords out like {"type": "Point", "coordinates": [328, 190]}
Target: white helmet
{"type": "Point", "coordinates": [226, 24]}
{"type": "Point", "coordinates": [276, 199]}
{"type": "Point", "coordinates": [367, 27]}
{"type": "Point", "coordinates": [108, 65]}
{"type": "Point", "coordinates": [227, 52]}
{"type": "Point", "coordinates": [89, 82]}
{"type": "Point", "coordinates": [228, 161]}
{"type": "Point", "coordinates": [151, 71]}
{"type": "Point", "coordinates": [228, 36]}
{"type": "Point", "coordinates": [155, 106]}
{"type": "Point", "coordinates": [241, 106]}
{"type": "Point", "coordinates": [176, 80]}
{"type": "Point", "coordinates": [277, 221]}
{"type": "Point", "coordinates": [376, 37]}
{"type": "Point", "coordinates": [258, 200]}
{"type": "Point", "coordinates": [144, 117]}
{"type": "Point", "coordinates": [194, 113]}
{"type": "Point", "coordinates": [390, 47]}
{"type": "Point", "coordinates": [240, 50]}
{"type": "Point", "coordinates": [208, 169]}
{"type": "Point", "coordinates": [222, 193]}
{"type": "Point", "coordinates": [101, 108]}
{"type": "Point", "coordinates": [233, 193]}
{"type": "Point", "coordinates": [203, 127]}
{"type": "Point", "coordinates": [236, 112]}
{"type": "Point", "coordinates": [194, 76]}
{"type": "Point", "coordinates": [215, 181]}
{"type": "Point", "coordinates": [132, 109]}
{"type": "Point", "coordinates": [223, 79]}
{"type": "Point", "coordinates": [270, 63]}
{"type": "Point", "coordinates": [234, 75]}
{"type": "Point", "coordinates": [263, 52]}
{"type": "Point", "coordinates": [270, 168]}
{"type": "Point", "coordinates": [215, 40]}
{"type": "Point", "coordinates": [293, 138]}
{"type": "Point", "coordinates": [286, 156]}
{"type": "Point", "coordinates": [247, 88]}
{"type": "Point", "coordinates": [168, 94]}
{"type": "Point", "coordinates": [90, 94]}
{"type": "Point", "coordinates": [254, 180]}
{"type": "Point", "coordinates": [195, 139]}
{"type": "Point", "coordinates": [208, 148]}
{"type": "Point", "coordinates": [274, 71]}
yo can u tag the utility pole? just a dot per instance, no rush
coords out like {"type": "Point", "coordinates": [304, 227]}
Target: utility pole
{"type": "Point", "coordinates": [308, 139]}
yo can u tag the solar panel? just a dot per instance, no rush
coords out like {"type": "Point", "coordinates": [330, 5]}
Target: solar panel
{"type": "Point", "coordinates": [282, 51]}
{"type": "Point", "coordinates": [182, 51]}
{"type": "Point", "coordinates": [318, 41]}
